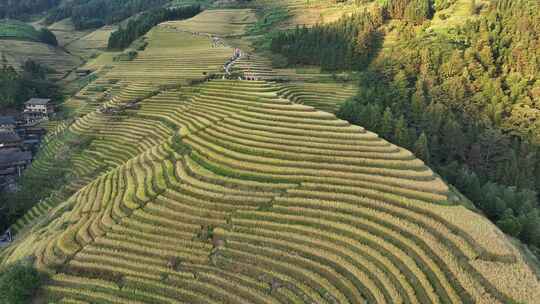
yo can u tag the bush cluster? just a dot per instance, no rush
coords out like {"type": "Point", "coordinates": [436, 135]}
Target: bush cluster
{"type": "Point", "coordinates": [18, 283]}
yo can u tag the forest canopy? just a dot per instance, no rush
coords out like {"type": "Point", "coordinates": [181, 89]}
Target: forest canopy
{"type": "Point", "coordinates": [18, 86]}
{"type": "Point", "coordinates": [87, 14]}
{"type": "Point", "coordinates": [16, 9]}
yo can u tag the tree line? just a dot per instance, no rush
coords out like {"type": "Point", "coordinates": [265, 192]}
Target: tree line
{"type": "Point", "coordinates": [87, 14]}
{"type": "Point", "coordinates": [139, 26]}
{"type": "Point", "coordinates": [465, 100]}
{"type": "Point", "coordinates": [17, 87]}
{"type": "Point", "coordinates": [20, 9]}
{"type": "Point", "coordinates": [345, 44]}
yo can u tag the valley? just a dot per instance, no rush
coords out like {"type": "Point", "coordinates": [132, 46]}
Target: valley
{"type": "Point", "coordinates": [173, 181]}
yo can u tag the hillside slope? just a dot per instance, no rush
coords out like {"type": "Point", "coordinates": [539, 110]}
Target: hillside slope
{"type": "Point", "coordinates": [190, 191]}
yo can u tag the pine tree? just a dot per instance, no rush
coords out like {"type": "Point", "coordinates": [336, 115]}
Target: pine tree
{"type": "Point", "coordinates": [417, 11]}
{"type": "Point", "coordinates": [401, 89]}
{"type": "Point", "coordinates": [401, 133]}
{"type": "Point", "coordinates": [418, 104]}
{"type": "Point", "coordinates": [454, 140]}
{"type": "Point", "coordinates": [387, 124]}
{"type": "Point", "coordinates": [421, 149]}
{"type": "Point", "coordinates": [509, 223]}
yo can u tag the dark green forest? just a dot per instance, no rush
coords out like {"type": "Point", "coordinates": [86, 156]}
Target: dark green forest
{"type": "Point", "coordinates": [139, 26]}
{"type": "Point", "coordinates": [17, 9]}
{"type": "Point", "coordinates": [18, 86]}
{"type": "Point", "coordinates": [19, 282]}
{"type": "Point", "coordinates": [345, 44]}
{"type": "Point", "coordinates": [466, 100]}
{"type": "Point", "coordinates": [87, 14]}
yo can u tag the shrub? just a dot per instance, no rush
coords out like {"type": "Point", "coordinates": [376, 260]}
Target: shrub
{"type": "Point", "coordinates": [46, 36]}
{"type": "Point", "coordinates": [18, 283]}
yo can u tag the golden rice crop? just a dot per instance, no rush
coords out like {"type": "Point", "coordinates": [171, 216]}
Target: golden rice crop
{"type": "Point", "coordinates": [380, 226]}
{"type": "Point", "coordinates": [403, 161]}
{"type": "Point", "coordinates": [300, 146]}
{"type": "Point", "coordinates": [527, 289]}
{"type": "Point", "coordinates": [295, 274]}
{"type": "Point", "coordinates": [223, 180]}
{"type": "Point", "coordinates": [325, 258]}
{"type": "Point", "coordinates": [269, 165]}
{"type": "Point", "coordinates": [347, 246]}
{"type": "Point", "coordinates": [398, 253]}
{"type": "Point", "coordinates": [88, 294]}
{"type": "Point", "coordinates": [478, 228]}
{"type": "Point", "coordinates": [384, 202]}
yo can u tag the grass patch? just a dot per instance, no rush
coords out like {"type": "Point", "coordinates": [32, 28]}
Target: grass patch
{"type": "Point", "coordinates": [17, 30]}
{"type": "Point", "coordinates": [268, 20]}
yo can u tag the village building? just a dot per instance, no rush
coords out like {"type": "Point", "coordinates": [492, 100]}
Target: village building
{"type": "Point", "coordinates": [9, 139]}
{"type": "Point", "coordinates": [43, 105]}
{"type": "Point", "coordinates": [7, 123]}
{"type": "Point", "coordinates": [12, 163]}
{"type": "Point", "coordinates": [37, 109]}
{"type": "Point", "coordinates": [83, 72]}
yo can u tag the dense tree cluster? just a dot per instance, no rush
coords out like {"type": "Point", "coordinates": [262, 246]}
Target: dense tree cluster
{"type": "Point", "coordinates": [95, 13]}
{"type": "Point", "coordinates": [19, 282]}
{"type": "Point", "coordinates": [468, 103]}
{"type": "Point", "coordinates": [344, 44]}
{"type": "Point", "coordinates": [16, 9]}
{"type": "Point", "coordinates": [17, 87]}
{"type": "Point", "coordinates": [18, 30]}
{"type": "Point", "coordinates": [415, 11]}
{"type": "Point", "coordinates": [48, 37]}
{"type": "Point", "coordinates": [135, 28]}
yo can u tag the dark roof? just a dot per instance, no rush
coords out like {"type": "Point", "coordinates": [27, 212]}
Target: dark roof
{"type": "Point", "coordinates": [38, 101]}
{"type": "Point", "coordinates": [32, 141]}
{"type": "Point", "coordinates": [8, 171]}
{"type": "Point", "coordinates": [7, 120]}
{"type": "Point", "coordinates": [6, 137]}
{"type": "Point", "coordinates": [11, 156]}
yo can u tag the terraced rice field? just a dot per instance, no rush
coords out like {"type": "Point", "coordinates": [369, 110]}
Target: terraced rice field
{"type": "Point", "coordinates": [82, 43]}
{"type": "Point", "coordinates": [228, 191]}
{"type": "Point", "coordinates": [218, 22]}
{"type": "Point", "coordinates": [92, 43]}
{"type": "Point", "coordinates": [164, 63]}
{"type": "Point", "coordinates": [327, 97]}
{"type": "Point", "coordinates": [310, 12]}
{"type": "Point", "coordinates": [17, 52]}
